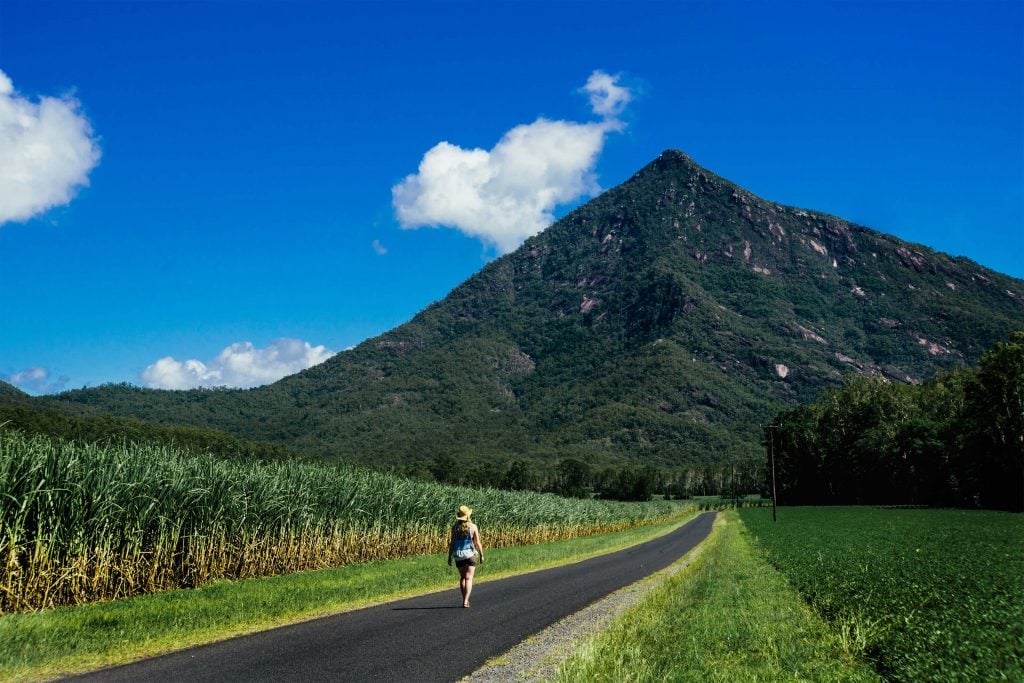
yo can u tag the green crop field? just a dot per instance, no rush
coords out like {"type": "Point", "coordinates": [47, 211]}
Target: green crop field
{"type": "Point", "coordinates": [926, 595]}
{"type": "Point", "coordinates": [80, 522]}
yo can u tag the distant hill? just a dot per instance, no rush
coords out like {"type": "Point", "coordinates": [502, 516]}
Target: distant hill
{"type": "Point", "coordinates": [10, 392]}
{"type": "Point", "coordinates": [659, 322]}
{"type": "Point", "coordinates": [19, 412]}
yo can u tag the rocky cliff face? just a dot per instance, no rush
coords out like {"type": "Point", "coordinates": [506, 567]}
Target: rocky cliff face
{"type": "Point", "coordinates": [661, 322]}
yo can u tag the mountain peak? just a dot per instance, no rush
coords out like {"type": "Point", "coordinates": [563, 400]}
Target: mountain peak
{"type": "Point", "coordinates": [676, 165]}
{"type": "Point", "coordinates": [676, 155]}
{"type": "Point", "coordinates": [673, 160]}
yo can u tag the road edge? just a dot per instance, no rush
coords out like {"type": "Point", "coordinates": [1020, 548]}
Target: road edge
{"type": "Point", "coordinates": [539, 657]}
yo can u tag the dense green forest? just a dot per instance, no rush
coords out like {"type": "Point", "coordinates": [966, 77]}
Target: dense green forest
{"type": "Point", "coordinates": [957, 440]}
{"type": "Point", "coordinates": [658, 324]}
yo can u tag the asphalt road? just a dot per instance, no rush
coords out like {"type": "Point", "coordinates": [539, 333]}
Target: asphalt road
{"type": "Point", "coordinates": [428, 638]}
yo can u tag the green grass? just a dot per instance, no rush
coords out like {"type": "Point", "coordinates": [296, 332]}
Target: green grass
{"type": "Point", "coordinates": [727, 617]}
{"type": "Point", "coordinates": [43, 644]}
{"type": "Point", "coordinates": [927, 595]}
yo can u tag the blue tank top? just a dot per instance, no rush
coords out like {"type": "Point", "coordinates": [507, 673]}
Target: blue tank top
{"type": "Point", "coordinates": [464, 545]}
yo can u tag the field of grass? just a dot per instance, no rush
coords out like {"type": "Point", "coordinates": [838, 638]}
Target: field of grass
{"type": "Point", "coordinates": [81, 523]}
{"type": "Point", "coordinates": [47, 643]}
{"type": "Point", "coordinates": [727, 617]}
{"type": "Point", "coordinates": [926, 595]}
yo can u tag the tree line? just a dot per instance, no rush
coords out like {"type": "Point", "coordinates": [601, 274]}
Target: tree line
{"type": "Point", "coordinates": [16, 414]}
{"type": "Point", "coordinates": [957, 440]}
{"type": "Point", "coordinates": [576, 478]}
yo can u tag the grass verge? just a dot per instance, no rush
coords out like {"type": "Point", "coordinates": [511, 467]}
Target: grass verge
{"type": "Point", "coordinates": [727, 617]}
{"type": "Point", "coordinates": [73, 639]}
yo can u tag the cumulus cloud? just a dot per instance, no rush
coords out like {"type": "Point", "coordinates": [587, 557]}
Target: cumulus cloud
{"type": "Point", "coordinates": [607, 97]}
{"type": "Point", "coordinates": [378, 248]}
{"type": "Point", "coordinates": [36, 380]}
{"type": "Point", "coordinates": [47, 149]}
{"type": "Point", "coordinates": [240, 365]}
{"type": "Point", "coordinates": [508, 193]}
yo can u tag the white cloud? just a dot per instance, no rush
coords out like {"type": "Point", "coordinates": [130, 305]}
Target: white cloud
{"type": "Point", "coordinates": [47, 149]}
{"type": "Point", "coordinates": [378, 248]}
{"type": "Point", "coordinates": [240, 365]}
{"type": "Point", "coordinates": [607, 97]}
{"type": "Point", "coordinates": [508, 193]}
{"type": "Point", "coordinates": [36, 380]}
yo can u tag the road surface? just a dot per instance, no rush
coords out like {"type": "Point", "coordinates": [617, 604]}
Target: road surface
{"type": "Point", "coordinates": [427, 638]}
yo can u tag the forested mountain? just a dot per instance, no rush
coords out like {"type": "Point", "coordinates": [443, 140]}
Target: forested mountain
{"type": "Point", "coordinates": [659, 322]}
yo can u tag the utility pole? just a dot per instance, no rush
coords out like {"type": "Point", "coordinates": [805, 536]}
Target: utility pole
{"type": "Point", "coordinates": [735, 489]}
{"type": "Point", "coordinates": [771, 457]}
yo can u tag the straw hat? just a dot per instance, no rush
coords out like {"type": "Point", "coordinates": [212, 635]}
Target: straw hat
{"type": "Point", "coordinates": [464, 513]}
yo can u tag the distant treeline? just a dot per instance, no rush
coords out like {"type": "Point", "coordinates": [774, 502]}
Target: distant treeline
{"type": "Point", "coordinates": [576, 478]}
{"type": "Point", "coordinates": [111, 429]}
{"type": "Point", "coordinates": [954, 441]}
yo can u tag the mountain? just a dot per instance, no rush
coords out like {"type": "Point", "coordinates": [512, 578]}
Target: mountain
{"type": "Point", "coordinates": [660, 322]}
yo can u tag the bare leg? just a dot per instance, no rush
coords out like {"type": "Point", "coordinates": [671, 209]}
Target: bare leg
{"type": "Point", "coordinates": [463, 583]}
{"type": "Point", "coordinates": [469, 585]}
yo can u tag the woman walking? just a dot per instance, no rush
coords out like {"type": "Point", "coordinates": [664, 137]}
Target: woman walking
{"type": "Point", "coordinates": [464, 546]}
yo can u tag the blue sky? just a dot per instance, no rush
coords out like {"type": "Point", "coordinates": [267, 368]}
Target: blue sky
{"type": "Point", "coordinates": [248, 151]}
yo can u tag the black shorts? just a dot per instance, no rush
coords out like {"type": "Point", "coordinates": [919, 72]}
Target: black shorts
{"type": "Point", "coordinates": [468, 562]}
